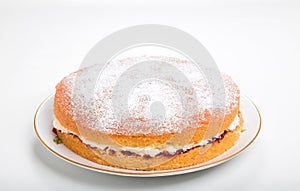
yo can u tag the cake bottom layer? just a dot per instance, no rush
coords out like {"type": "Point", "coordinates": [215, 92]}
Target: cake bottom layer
{"type": "Point", "coordinates": [162, 162]}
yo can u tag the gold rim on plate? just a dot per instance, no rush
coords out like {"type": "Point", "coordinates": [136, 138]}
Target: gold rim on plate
{"type": "Point", "coordinates": [153, 173]}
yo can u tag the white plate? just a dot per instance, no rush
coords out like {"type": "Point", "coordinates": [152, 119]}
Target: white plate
{"type": "Point", "coordinates": [43, 128]}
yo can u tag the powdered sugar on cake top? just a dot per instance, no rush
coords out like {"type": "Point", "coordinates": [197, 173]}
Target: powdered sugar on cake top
{"type": "Point", "coordinates": [124, 98]}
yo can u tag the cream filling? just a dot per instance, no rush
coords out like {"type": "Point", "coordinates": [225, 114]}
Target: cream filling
{"type": "Point", "coordinates": [148, 150]}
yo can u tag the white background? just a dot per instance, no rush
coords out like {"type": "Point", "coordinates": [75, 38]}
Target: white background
{"type": "Point", "coordinates": [256, 42]}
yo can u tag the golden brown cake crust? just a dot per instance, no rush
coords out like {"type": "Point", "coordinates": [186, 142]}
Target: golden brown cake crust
{"type": "Point", "coordinates": [111, 135]}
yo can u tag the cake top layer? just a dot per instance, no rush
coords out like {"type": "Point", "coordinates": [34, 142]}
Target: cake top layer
{"type": "Point", "coordinates": [146, 95]}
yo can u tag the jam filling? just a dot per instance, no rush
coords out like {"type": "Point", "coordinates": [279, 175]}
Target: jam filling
{"type": "Point", "coordinates": [166, 154]}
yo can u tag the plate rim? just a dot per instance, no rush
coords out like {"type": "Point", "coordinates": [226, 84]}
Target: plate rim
{"type": "Point", "coordinates": [138, 173]}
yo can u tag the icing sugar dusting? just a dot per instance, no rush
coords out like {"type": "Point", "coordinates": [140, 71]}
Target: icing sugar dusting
{"type": "Point", "coordinates": [113, 100]}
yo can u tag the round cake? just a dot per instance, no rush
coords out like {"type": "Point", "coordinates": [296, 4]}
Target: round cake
{"type": "Point", "coordinates": [121, 116]}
